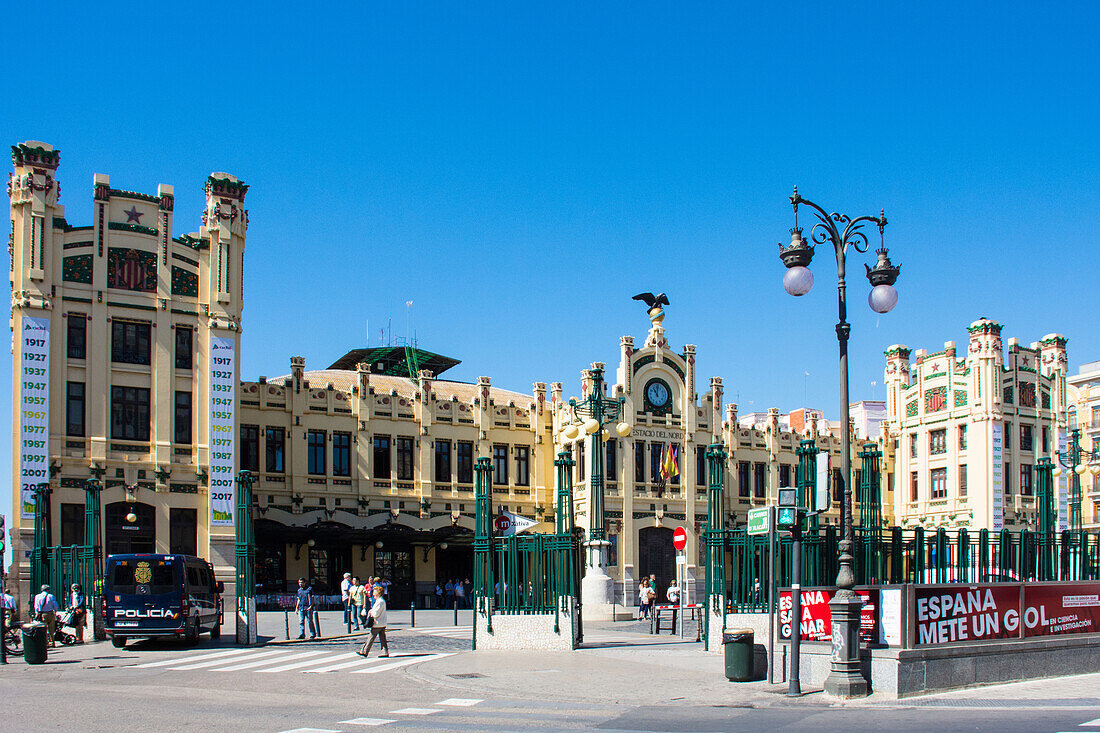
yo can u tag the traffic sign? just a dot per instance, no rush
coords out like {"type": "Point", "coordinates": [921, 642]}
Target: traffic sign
{"type": "Point", "coordinates": [680, 538]}
{"type": "Point", "coordinates": [508, 523]}
{"type": "Point", "coordinates": [758, 521]}
{"type": "Point", "coordinates": [502, 523]}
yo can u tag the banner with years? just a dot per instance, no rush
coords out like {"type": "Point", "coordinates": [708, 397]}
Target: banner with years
{"type": "Point", "coordinates": [34, 409]}
{"type": "Point", "coordinates": [223, 435]}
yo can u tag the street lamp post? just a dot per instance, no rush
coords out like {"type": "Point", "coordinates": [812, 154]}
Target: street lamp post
{"type": "Point", "coordinates": [1077, 460]}
{"type": "Point", "coordinates": [594, 413]}
{"type": "Point", "coordinates": [845, 678]}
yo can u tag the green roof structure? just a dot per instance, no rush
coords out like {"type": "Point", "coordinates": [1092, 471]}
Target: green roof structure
{"type": "Point", "coordinates": [394, 360]}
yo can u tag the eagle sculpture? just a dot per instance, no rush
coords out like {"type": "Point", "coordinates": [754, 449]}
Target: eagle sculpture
{"type": "Point", "coordinates": [656, 313]}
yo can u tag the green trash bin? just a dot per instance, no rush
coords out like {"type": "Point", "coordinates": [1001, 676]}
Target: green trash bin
{"type": "Point", "coordinates": [34, 642]}
{"type": "Point", "coordinates": [738, 647]}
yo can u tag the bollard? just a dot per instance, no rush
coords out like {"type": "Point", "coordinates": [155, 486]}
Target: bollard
{"type": "Point", "coordinates": [286, 620]}
{"type": "Point", "coordinates": [412, 615]}
{"type": "Point", "coordinates": [347, 614]}
{"type": "Point", "coordinates": [456, 611]}
{"type": "Point", "coordinates": [317, 622]}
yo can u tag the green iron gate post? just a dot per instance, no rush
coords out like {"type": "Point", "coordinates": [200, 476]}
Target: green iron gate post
{"type": "Point", "coordinates": [1044, 500]}
{"type": "Point", "coordinates": [714, 542]}
{"type": "Point", "coordinates": [870, 513]}
{"type": "Point", "coordinates": [246, 562]}
{"type": "Point", "coordinates": [92, 556]}
{"type": "Point", "coordinates": [39, 558]}
{"type": "Point", "coordinates": [483, 545]}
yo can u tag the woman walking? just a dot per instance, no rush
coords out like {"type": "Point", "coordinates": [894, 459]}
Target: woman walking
{"type": "Point", "coordinates": [358, 602]}
{"type": "Point", "coordinates": [78, 607]}
{"type": "Point", "coordinates": [643, 600]}
{"type": "Point", "coordinates": [376, 620]}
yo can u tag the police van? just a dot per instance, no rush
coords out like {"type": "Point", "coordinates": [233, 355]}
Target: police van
{"type": "Point", "coordinates": [160, 595]}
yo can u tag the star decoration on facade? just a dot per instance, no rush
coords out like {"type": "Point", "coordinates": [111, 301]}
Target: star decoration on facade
{"type": "Point", "coordinates": [133, 215]}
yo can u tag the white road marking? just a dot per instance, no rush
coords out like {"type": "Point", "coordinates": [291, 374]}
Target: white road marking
{"type": "Point", "coordinates": [216, 662]}
{"type": "Point", "coordinates": [308, 663]}
{"type": "Point", "coordinates": [1093, 722]}
{"type": "Point", "coordinates": [403, 663]}
{"type": "Point", "coordinates": [367, 721]}
{"type": "Point", "coordinates": [415, 711]}
{"type": "Point", "coordinates": [264, 662]}
{"type": "Point", "coordinates": [310, 730]}
{"type": "Point", "coordinates": [460, 702]}
{"type": "Point", "coordinates": [176, 660]}
{"type": "Point", "coordinates": [360, 662]}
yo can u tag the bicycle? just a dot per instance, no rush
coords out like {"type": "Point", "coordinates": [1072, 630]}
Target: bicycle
{"type": "Point", "coordinates": [13, 638]}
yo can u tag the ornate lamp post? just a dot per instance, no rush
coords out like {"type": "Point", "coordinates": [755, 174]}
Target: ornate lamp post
{"type": "Point", "coordinates": [845, 679]}
{"type": "Point", "coordinates": [594, 413]}
{"type": "Point", "coordinates": [1077, 460]}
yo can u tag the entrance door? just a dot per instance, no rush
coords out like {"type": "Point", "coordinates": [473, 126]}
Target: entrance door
{"type": "Point", "coordinates": [396, 566]}
{"type": "Point", "coordinates": [124, 537]}
{"type": "Point", "coordinates": [657, 556]}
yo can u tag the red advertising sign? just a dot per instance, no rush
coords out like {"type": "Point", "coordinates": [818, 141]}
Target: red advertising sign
{"type": "Point", "coordinates": [966, 613]}
{"type": "Point", "coordinates": [1061, 608]}
{"type": "Point", "coordinates": [817, 620]}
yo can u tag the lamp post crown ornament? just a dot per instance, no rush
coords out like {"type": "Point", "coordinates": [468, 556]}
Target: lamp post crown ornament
{"type": "Point", "coordinates": [656, 313]}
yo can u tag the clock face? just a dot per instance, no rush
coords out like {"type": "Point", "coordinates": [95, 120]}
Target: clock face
{"type": "Point", "coordinates": [657, 393]}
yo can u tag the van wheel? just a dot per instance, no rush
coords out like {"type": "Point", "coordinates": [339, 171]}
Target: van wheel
{"type": "Point", "coordinates": [216, 630]}
{"type": "Point", "coordinates": [118, 641]}
{"type": "Point", "coordinates": [191, 637]}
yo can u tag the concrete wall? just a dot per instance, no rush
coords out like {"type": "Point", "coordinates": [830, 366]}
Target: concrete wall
{"type": "Point", "coordinates": [534, 632]}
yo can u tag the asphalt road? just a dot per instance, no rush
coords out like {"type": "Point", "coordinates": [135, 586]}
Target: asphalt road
{"type": "Point", "coordinates": [433, 682]}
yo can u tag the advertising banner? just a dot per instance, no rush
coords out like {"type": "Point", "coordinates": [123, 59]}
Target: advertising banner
{"type": "Point", "coordinates": [966, 613]}
{"type": "Point", "coordinates": [34, 409]}
{"type": "Point", "coordinates": [223, 409]}
{"type": "Point", "coordinates": [1061, 608]}
{"type": "Point", "coordinates": [998, 467]}
{"type": "Point", "coordinates": [817, 620]}
{"type": "Point", "coordinates": [1061, 483]}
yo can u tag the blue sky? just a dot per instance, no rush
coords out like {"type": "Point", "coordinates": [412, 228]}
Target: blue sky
{"type": "Point", "coordinates": [519, 173]}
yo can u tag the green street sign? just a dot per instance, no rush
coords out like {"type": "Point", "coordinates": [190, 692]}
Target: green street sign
{"type": "Point", "coordinates": [758, 521]}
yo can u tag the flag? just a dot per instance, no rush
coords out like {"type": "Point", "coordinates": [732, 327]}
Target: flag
{"type": "Point", "coordinates": [670, 465]}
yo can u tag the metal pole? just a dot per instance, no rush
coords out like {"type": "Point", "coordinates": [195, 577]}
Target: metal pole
{"type": "Point", "coordinates": [456, 611]}
{"type": "Point", "coordinates": [771, 594]}
{"type": "Point", "coordinates": [412, 615]}
{"type": "Point", "coordinates": [3, 634]}
{"type": "Point", "coordinates": [795, 687]}
{"type": "Point", "coordinates": [286, 620]}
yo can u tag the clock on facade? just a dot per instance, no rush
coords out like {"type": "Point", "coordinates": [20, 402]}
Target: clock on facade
{"type": "Point", "coordinates": [658, 397]}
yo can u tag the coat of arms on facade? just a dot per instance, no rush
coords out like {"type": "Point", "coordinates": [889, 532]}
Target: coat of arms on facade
{"type": "Point", "coordinates": [131, 269]}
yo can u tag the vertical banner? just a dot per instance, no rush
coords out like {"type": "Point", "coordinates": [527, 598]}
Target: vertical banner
{"type": "Point", "coordinates": [821, 490]}
{"type": "Point", "coordinates": [34, 410]}
{"type": "Point", "coordinates": [223, 452]}
{"type": "Point", "coordinates": [998, 483]}
{"type": "Point", "coordinates": [1061, 492]}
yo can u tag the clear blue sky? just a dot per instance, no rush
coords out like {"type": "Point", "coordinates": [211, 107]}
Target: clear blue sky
{"type": "Point", "coordinates": [519, 174]}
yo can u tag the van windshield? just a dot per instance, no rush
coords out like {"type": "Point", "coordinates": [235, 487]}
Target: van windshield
{"type": "Point", "coordinates": [143, 576]}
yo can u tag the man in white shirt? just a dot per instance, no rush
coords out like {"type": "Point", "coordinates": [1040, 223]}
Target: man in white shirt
{"type": "Point", "coordinates": [673, 594]}
{"type": "Point", "coordinates": [345, 596]}
{"type": "Point", "coordinates": [45, 607]}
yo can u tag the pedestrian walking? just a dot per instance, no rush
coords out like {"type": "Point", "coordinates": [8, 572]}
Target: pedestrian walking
{"type": "Point", "coordinates": [304, 607]}
{"type": "Point", "coordinates": [376, 620]}
{"type": "Point", "coordinates": [46, 608]}
{"type": "Point", "coordinates": [643, 600]}
{"type": "Point", "coordinates": [438, 595]}
{"type": "Point", "coordinates": [78, 609]}
{"type": "Point", "coordinates": [449, 593]}
{"type": "Point", "coordinates": [358, 602]}
{"type": "Point", "coordinates": [460, 595]}
{"type": "Point", "coordinates": [345, 597]}
{"type": "Point", "coordinates": [673, 594]}
{"type": "Point", "coordinates": [468, 586]}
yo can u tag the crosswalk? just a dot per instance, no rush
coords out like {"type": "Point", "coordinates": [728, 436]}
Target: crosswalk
{"type": "Point", "coordinates": [270, 661]}
{"type": "Point", "coordinates": [446, 632]}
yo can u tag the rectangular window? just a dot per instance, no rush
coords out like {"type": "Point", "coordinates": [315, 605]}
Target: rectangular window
{"type": "Point", "coordinates": [1026, 438]}
{"type": "Point", "coordinates": [405, 459]}
{"type": "Point", "coordinates": [275, 447]}
{"type": "Point", "coordinates": [656, 453]}
{"type": "Point", "coordinates": [937, 442]}
{"type": "Point", "coordinates": [938, 480]}
{"type": "Point", "coordinates": [184, 336]}
{"type": "Point", "coordinates": [250, 448]}
{"type": "Point", "coordinates": [700, 465]}
{"type": "Point", "coordinates": [838, 487]}
{"type": "Point", "coordinates": [76, 339]}
{"type": "Point", "coordinates": [315, 452]}
{"type": "Point", "coordinates": [523, 465]}
{"type": "Point", "coordinates": [74, 409]}
{"type": "Point", "coordinates": [130, 342]}
{"type": "Point", "coordinates": [382, 457]}
{"type": "Point", "coordinates": [913, 445]}
{"type": "Point", "coordinates": [962, 437]}
{"type": "Point", "coordinates": [743, 479]}
{"type": "Point", "coordinates": [962, 480]}
{"type": "Point", "coordinates": [785, 475]}
{"type": "Point", "coordinates": [580, 461]}
{"type": "Point", "coordinates": [443, 461]}
{"type": "Point", "coordinates": [639, 462]}
{"type": "Point", "coordinates": [914, 486]}
{"type": "Point", "coordinates": [1025, 479]}
{"type": "Point", "coordinates": [341, 454]}
{"type": "Point", "coordinates": [1045, 447]}
{"type": "Point", "coordinates": [1008, 478]}
{"type": "Point", "coordinates": [182, 428]}
{"type": "Point", "coordinates": [129, 413]}
{"type": "Point", "coordinates": [72, 525]}
{"type": "Point", "coordinates": [182, 531]}
{"type": "Point", "coordinates": [611, 448]}
{"type": "Point", "coordinates": [759, 480]}
{"type": "Point", "coordinates": [465, 462]}
{"type": "Point", "coordinates": [1008, 436]}
{"type": "Point", "coordinates": [500, 465]}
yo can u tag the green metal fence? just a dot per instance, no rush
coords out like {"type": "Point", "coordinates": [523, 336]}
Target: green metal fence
{"type": "Point", "coordinates": [60, 567]}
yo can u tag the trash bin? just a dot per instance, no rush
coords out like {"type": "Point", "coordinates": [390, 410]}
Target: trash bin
{"type": "Point", "coordinates": [738, 647]}
{"type": "Point", "coordinates": [34, 642]}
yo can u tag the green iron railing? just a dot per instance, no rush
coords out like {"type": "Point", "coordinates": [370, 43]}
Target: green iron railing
{"type": "Point", "coordinates": [60, 567]}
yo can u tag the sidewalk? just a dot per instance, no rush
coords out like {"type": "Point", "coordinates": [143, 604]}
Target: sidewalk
{"type": "Point", "coordinates": [272, 625]}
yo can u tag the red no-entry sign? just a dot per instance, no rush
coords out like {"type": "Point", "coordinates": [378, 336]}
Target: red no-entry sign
{"type": "Point", "coordinates": [680, 538]}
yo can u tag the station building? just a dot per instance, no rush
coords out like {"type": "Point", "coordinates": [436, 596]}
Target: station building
{"type": "Point", "coordinates": [1084, 417]}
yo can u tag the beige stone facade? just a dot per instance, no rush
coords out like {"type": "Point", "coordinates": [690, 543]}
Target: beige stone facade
{"type": "Point", "coordinates": [968, 429]}
{"type": "Point", "coordinates": [1084, 416]}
